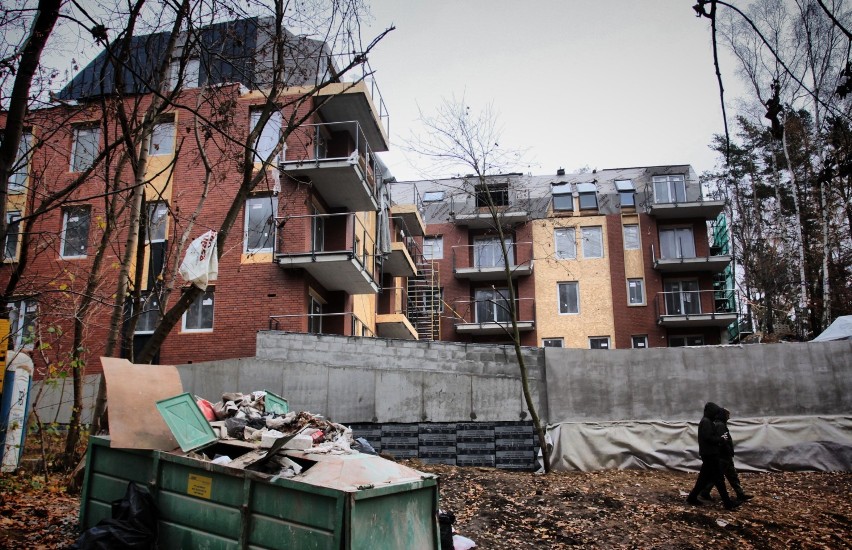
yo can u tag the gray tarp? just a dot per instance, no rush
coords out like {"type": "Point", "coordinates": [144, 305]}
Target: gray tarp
{"type": "Point", "coordinates": [840, 329]}
{"type": "Point", "coordinates": [762, 444]}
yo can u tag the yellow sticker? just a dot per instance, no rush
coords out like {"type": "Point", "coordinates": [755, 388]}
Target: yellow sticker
{"type": "Point", "coordinates": [199, 486]}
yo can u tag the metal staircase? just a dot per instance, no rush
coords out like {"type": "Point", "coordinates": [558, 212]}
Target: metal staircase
{"type": "Point", "coordinates": [425, 301]}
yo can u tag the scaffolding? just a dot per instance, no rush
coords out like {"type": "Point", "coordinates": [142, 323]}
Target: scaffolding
{"type": "Point", "coordinates": [425, 301]}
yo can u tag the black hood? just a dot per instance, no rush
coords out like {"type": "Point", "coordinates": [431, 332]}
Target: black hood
{"type": "Point", "coordinates": [712, 410]}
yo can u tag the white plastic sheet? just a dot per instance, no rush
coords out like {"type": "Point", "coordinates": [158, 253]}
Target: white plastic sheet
{"type": "Point", "coordinates": [201, 263]}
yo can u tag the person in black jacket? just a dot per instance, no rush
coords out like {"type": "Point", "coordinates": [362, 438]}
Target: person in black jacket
{"type": "Point", "coordinates": [726, 459]}
{"type": "Point", "coordinates": [709, 443]}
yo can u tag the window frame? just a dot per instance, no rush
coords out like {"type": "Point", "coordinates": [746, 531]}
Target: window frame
{"type": "Point", "coordinates": [670, 183]}
{"type": "Point", "coordinates": [149, 299]}
{"type": "Point", "coordinates": [492, 246]}
{"type": "Point", "coordinates": [585, 240]}
{"type": "Point", "coordinates": [634, 339]}
{"type": "Point", "coordinates": [191, 74]}
{"type": "Point", "coordinates": [624, 233]}
{"type": "Point", "coordinates": [432, 255]}
{"type": "Point", "coordinates": [20, 177]}
{"type": "Point", "coordinates": [498, 192]}
{"type": "Point", "coordinates": [548, 342]}
{"type": "Point", "coordinates": [79, 163]}
{"type": "Point", "coordinates": [19, 323]}
{"type": "Point", "coordinates": [564, 232]}
{"type": "Point", "coordinates": [559, 301]}
{"type": "Point", "coordinates": [155, 148]}
{"type": "Point", "coordinates": [199, 305]}
{"type": "Point", "coordinates": [676, 241]}
{"type": "Point", "coordinates": [13, 219]}
{"type": "Point", "coordinates": [497, 296]}
{"type": "Point", "coordinates": [630, 293]}
{"type": "Point", "coordinates": [600, 340]}
{"type": "Point", "coordinates": [263, 200]}
{"type": "Point", "coordinates": [66, 218]}
{"type": "Point", "coordinates": [685, 338]}
{"type": "Point", "coordinates": [315, 313]}
{"type": "Point", "coordinates": [265, 139]}
{"type": "Point", "coordinates": [562, 198]}
{"type": "Point", "coordinates": [432, 196]}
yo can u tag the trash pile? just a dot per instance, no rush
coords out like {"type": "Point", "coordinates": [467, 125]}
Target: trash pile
{"type": "Point", "coordinates": [262, 420]}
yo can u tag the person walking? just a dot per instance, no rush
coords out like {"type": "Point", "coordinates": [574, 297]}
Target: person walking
{"type": "Point", "coordinates": [709, 444]}
{"type": "Point", "coordinates": [726, 460]}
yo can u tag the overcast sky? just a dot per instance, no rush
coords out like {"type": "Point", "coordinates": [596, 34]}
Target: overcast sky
{"type": "Point", "coordinates": [597, 83]}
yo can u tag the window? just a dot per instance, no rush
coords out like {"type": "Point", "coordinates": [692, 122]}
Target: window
{"type": "Point", "coordinates": [75, 231]}
{"type": "Point", "coordinates": [639, 342]}
{"type": "Point", "coordinates": [569, 298]}
{"type": "Point", "coordinates": [18, 178]}
{"type": "Point", "coordinates": [433, 248]}
{"type": "Point", "coordinates": [682, 297]}
{"type": "Point", "coordinates": [592, 242]}
{"type": "Point", "coordinates": [599, 342]}
{"type": "Point", "coordinates": [157, 215]}
{"type": "Point", "coordinates": [199, 316]}
{"type": "Point", "coordinates": [191, 72]}
{"type": "Point", "coordinates": [668, 189]}
{"type": "Point", "coordinates": [315, 315]}
{"type": "Point", "coordinates": [565, 243]}
{"type": "Point", "coordinates": [680, 341]}
{"type": "Point", "coordinates": [433, 196]}
{"type": "Point", "coordinates": [498, 193]}
{"type": "Point", "coordinates": [259, 224]}
{"type": "Point", "coordinates": [552, 343]}
{"type": "Point", "coordinates": [588, 196]}
{"type": "Point", "coordinates": [269, 136]}
{"type": "Point", "coordinates": [677, 242]}
{"type": "Point", "coordinates": [84, 150]}
{"type": "Point", "coordinates": [563, 199]}
{"type": "Point", "coordinates": [317, 230]}
{"type": "Point", "coordinates": [149, 315]}
{"type": "Point", "coordinates": [626, 192]}
{"type": "Point", "coordinates": [636, 292]}
{"type": "Point", "coordinates": [492, 305]}
{"type": "Point", "coordinates": [22, 323]}
{"type": "Point", "coordinates": [487, 252]}
{"type": "Point", "coordinates": [162, 139]}
{"type": "Point", "coordinates": [13, 230]}
{"type": "Point", "coordinates": [631, 237]}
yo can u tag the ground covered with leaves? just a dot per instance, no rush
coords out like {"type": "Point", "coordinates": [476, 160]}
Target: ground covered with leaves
{"type": "Point", "coordinates": [502, 510]}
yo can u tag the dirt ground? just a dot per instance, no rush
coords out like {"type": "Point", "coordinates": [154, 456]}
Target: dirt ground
{"type": "Point", "coordinates": [510, 510]}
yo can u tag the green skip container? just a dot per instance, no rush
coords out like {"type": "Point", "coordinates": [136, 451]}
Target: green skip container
{"type": "Point", "coordinates": [354, 501]}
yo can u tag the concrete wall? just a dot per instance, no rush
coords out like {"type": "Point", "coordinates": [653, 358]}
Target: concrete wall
{"type": "Point", "coordinates": [350, 379]}
{"type": "Point", "coordinates": [674, 383]}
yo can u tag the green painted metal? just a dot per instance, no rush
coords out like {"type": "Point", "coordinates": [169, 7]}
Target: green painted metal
{"type": "Point", "coordinates": [186, 421]}
{"type": "Point", "coordinates": [205, 505]}
{"type": "Point", "coordinates": [276, 404]}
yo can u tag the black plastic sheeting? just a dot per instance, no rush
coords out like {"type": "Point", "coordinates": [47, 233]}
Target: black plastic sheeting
{"type": "Point", "coordinates": [133, 525]}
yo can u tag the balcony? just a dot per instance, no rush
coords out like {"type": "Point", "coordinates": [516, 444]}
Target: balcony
{"type": "Point", "coordinates": [409, 218]}
{"type": "Point", "coordinates": [484, 261]}
{"type": "Point", "coordinates": [342, 324]}
{"type": "Point", "coordinates": [335, 249]}
{"type": "Point", "coordinates": [359, 101]}
{"type": "Point", "coordinates": [511, 208]}
{"type": "Point", "coordinates": [683, 261]}
{"type": "Point", "coordinates": [400, 262]}
{"type": "Point", "coordinates": [337, 161]}
{"type": "Point", "coordinates": [696, 308]}
{"type": "Point", "coordinates": [705, 209]}
{"type": "Point", "coordinates": [392, 320]}
{"type": "Point", "coordinates": [489, 315]}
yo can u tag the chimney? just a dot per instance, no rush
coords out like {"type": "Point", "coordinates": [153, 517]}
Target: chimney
{"type": "Point", "coordinates": [560, 172]}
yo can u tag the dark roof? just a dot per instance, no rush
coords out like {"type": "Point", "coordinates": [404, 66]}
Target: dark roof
{"type": "Point", "coordinates": [232, 51]}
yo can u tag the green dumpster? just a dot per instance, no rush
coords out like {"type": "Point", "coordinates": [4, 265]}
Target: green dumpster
{"type": "Point", "coordinates": [355, 501]}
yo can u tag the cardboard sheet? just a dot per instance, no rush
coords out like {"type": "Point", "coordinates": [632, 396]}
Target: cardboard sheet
{"type": "Point", "coordinates": [132, 394]}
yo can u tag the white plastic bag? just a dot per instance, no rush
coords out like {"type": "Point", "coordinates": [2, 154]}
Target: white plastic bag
{"type": "Point", "coordinates": [201, 263]}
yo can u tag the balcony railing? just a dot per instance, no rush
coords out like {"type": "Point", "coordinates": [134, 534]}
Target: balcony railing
{"type": "Point", "coordinates": [392, 317]}
{"type": "Point", "coordinates": [696, 308]}
{"type": "Point", "coordinates": [338, 250]}
{"type": "Point", "coordinates": [393, 301]}
{"type": "Point", "coordinates": [714, 263]}
{"type": "Point", "coordinates": [343, 324]}
{"type": "Point", "coordinates": [484, 262]}
{"type": "Point", "coordinates": [337, 160]}
{"type": "Point", "coordinates": [492, 315]}
{"type": "Point", "coordinates": [698, 208]}
{"type": "Point", "coordinates": [375, 95]}
{"type": "Point", "coordinates": [471, 209]}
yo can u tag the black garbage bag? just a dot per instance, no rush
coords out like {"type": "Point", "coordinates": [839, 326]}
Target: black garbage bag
{"type": "Point", "coordinates": [236, 427]}
{"type": "Point", "coordinates": [446, 519]}
{"type": "Point", "coordinates": [133, 525]}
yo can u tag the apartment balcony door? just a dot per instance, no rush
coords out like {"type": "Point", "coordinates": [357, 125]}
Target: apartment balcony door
{"type": "Point", "coordinates": [677, 242]}
{"type": "Point", "coordinates": [317, 232]}
{"type": "Point", "coordinates": [682, 297]}
{"type": "Point", "coordinates": [488, 253]}
{"type": "Point", "coordinates": [492, 305]}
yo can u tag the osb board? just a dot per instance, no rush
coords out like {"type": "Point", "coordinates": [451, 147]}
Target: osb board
{"type": "Point", "coordinates": [132, 394]}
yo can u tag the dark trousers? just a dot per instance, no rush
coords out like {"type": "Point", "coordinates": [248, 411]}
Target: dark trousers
{"type": "Point", "coordinates": [726, 463]}
{"type": "Point", "coordinates": [710, 473]}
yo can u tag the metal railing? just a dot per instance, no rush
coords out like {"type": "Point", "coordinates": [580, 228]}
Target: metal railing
{"type": "Point", "coordinates": [356, 326]}
{"type": "Point", "coordinates": [509, 199]}
{"type": "Point", "coordinates": [318, 234]}
{"type": "Point", "coordinates": [375, 94]}
{"type": "Point", "coordinates": [713, 252]}
{"type": "Point", "coordinates": [492, 310]}
{"type": "Point", "coordinates": [489, 254]}
{"type": "Point", "coordinates": [696, 302]}
{"type": "Point", "coordinates": [393, 300]}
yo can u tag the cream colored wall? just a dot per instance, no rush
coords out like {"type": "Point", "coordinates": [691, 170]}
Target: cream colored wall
{"type": "Point", "coordinates": [364, 305]}
{"type": "Point", "coordinates": [593, 276]}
